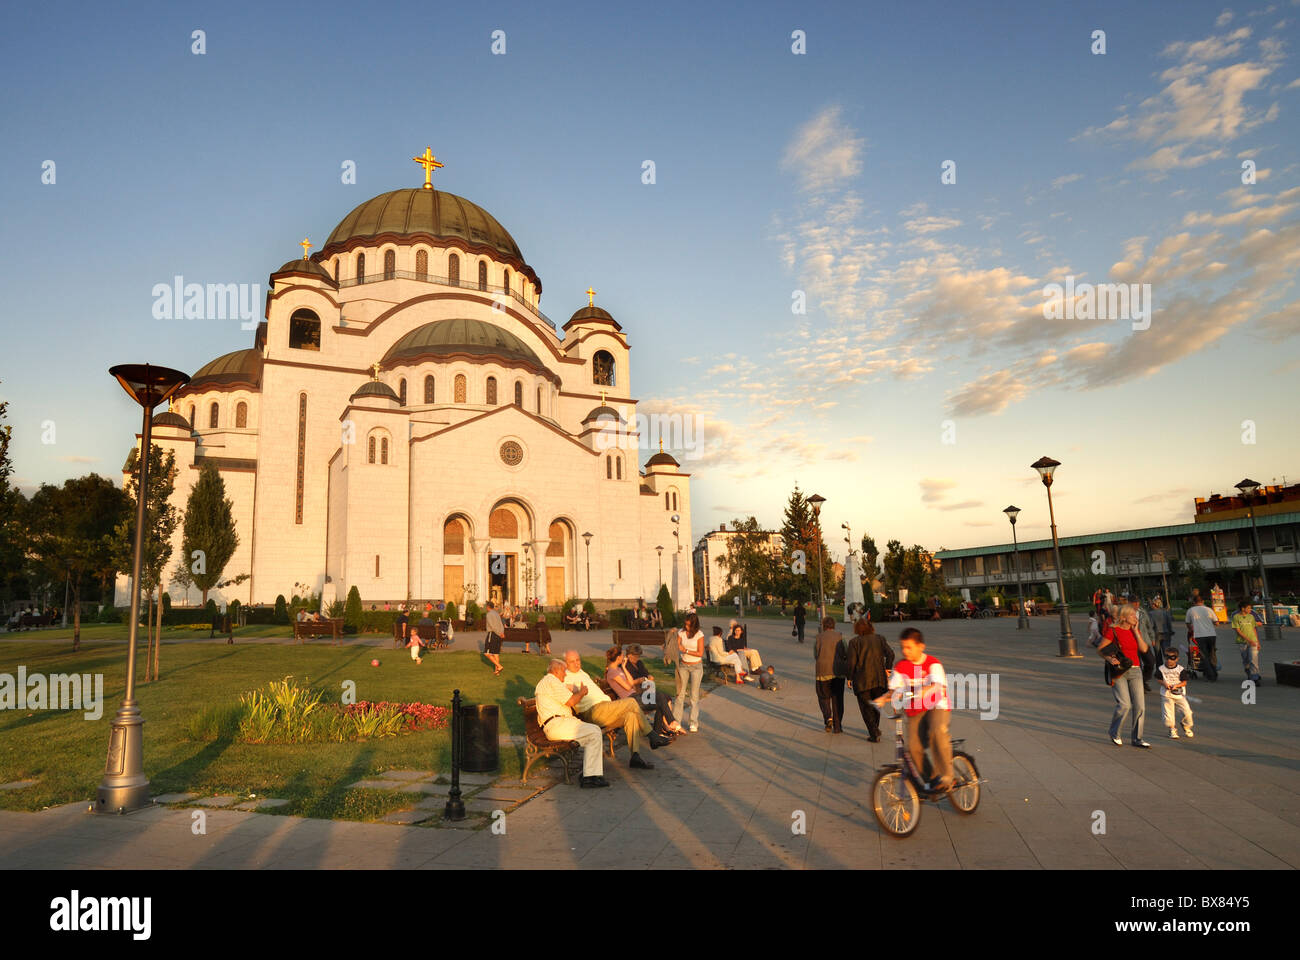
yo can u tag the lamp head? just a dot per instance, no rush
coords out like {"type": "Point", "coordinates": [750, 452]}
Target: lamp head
{"type": "Point", "coordinates": [659, 550]}
{"type": "Point", "coordinates": [676, 518]}
{"type": "Point", "coordinates": [1046, 466]}
{"type": "Point", "coordinates": [586, 538]}
{"type": "Point", "coordinates": [149, 385]}
{"type": "Point", "coordinates": [1248, 487]}
{"type": "Point", "coordinates": [1012, 512]}
{"type": "Point", "coordinates": [816, 500]}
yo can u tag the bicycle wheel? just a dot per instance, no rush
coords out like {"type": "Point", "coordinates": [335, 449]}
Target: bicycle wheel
{"type": "Point", "coordinates": [965, 793]}
{"type": "Point", "coordinates": [896, 803]}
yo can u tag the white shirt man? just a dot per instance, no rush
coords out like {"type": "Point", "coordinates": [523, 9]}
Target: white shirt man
{"type": "Point", "coordinates": [555, 704]}
{"type": "Point", "coordinates": [597, 707]}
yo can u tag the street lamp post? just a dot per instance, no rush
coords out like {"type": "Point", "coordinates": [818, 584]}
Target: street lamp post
{"type": "Point", "coordinates": [1272, 629]}
{"type": "Point", "coordinates": [817, 500]}
{"type": "Point", "coordinates": [1046, 466]}
{"type": "Point", "coordinates": [125, 787]}
{"type": "Point", "coordinates": [526, 569]}
{"type": "Point", "coordinates": [1022, 622]}
{"type": "Point", "coordinates": [660, 552]}
{"type": "Point", "coordinates": [586, 538]}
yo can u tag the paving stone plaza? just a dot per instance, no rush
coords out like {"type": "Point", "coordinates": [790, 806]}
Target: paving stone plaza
{"type": "Point", "coordinates": [762, 786]}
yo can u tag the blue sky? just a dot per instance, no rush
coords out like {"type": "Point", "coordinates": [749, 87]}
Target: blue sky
{"type": "Point", "coordinates": [775, 172]}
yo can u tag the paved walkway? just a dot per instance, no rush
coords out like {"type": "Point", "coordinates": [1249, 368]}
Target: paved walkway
{"type": "Point", "coordinates": [761, 768]}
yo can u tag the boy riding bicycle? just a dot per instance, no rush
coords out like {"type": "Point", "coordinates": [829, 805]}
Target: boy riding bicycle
{"type": "Point", "coordinates": [920, 680]}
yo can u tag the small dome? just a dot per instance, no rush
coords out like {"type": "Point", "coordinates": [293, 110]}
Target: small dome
{"type": "Point", "coordinates": [478, 338]}
{"type": "Point", "coordinates": [375, 388]}
{"type": "Point", "coordinates": [240, 368]}
{"type": "Point", "coordinates": [603, 411]}
{"type": "Point", "coordinates": [662, 459]}
{"type": "Point", "coordinates": [169, 418]}
{"type": "Point", "coordinates": [592, 314]}
{"type": "Point", "coordinates": [301, 266]}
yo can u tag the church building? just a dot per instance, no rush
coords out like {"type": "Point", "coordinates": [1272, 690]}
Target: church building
{"type": "Point", "coordinates": [407, 421]}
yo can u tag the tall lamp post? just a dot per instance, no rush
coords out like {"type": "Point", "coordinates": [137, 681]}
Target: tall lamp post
{"type": "Point", "coordinates": [660, 551]}
{"type": "Point", "coordinates": [1046, 466]}
{"type": "Point", "coordinates": [676, 519]}
{"type": "Point", "coordinates": [817, 500]}
{"type": "Point", "coordinates": [586, 538]}
{"type": "Point", "coordinates": [527, 572]}
{"type": "Point", "coordinates": [125, 787]}
{"type": "Point", "coordinates": [1022, 622]}
{"type": "Point", "coordinates": [1272, 629]}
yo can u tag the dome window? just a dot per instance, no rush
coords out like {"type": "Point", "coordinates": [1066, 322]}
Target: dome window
{"type": "Point", "coordinates": [212, 416]}
{"type": "Point", "coordinates": [304, 330]}
{"type": "Point", "coordinates": [602, 368]}
{"type": "Point", "coordinates": [370, 450]}
{"type": "Point", "coordinates": [460, 388]}
{"type": "Point", "coordinates": [482, 274]}
{"type": "Point", "coordinates": [453, 270]}
{"type": "Point", "coordinates": [401, 391]}
{"type": "Point", "coordinates": [428, 389]}
{"type": "Point", "coordinates": [505, 282]}
{"type": "Point", "coordinates": [492, 391]}
{"type": "Point", "coordinates": [519, 394]}
{"type": "Point", "coordinates": [422, 265]}
{"type": "Point", "coordinates": [390, 264]}
{"type": "Point", "coordinates": [241, 414]}
{"type": "Point", "coordinates": [361, 268]}
{"type": "Point", "coordinates": [383, 449]}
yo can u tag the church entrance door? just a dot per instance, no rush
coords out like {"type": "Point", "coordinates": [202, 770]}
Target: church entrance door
{"type": "Point", "coordinates": [503, 578]}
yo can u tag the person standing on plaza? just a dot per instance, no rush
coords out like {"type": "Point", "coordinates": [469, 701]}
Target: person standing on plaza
{"type": "Point", "coordinates": [869, 662]}
{"type": "Point", "coordinates": [1148, 634]}
{"type": "Point", "coordinates": [1173, 694]}
{"type": "Point", "coordinates": [1202, 625]}
{"type": "Point", "coordinates": [829, 656]}
{"type": "Point", "coordinates": [1243, 624]}
{"type": "Point", "coordinates": [1163, 621]}
{"type": "Point", "coordinates": [1124, 639]}
{"type": "Point", "coordinates": [800, 617]}
{"type": "Point", "coordinates": [690, 670]}
{"type": "Point", "coordinates": [496, 631]}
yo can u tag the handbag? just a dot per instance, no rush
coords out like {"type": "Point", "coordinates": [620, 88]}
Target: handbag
{"type": "Point", "coordinates": [1110, 649]}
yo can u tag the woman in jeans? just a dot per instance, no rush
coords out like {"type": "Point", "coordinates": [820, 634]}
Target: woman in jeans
{"type": "Point", "coordinates": [690, 669]}
{"type": "Point", "coordinates": [1127, 686]}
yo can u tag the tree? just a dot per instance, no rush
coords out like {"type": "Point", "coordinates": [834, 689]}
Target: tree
{"type": "Point", "coordinates": [799, 551]}
{"type": "Point", "coordinates": [352, 609]}
{"type": "Point", "coordinates": [892, 567]}
{"type": "Point", "coordinates": [209, 530]}
{"type": "Point", "coordinates": [12, 506]}
{"type": "Point", "coordinates": [665, 604]}
{"type": "Point", "coordinates": [159, 525]}
{"type": "Point", "coordinates": [868, 558]}
{"type": "Point", "coordinates": [69, 532]}
{"type": "Point", "coordinates": [748, 560]}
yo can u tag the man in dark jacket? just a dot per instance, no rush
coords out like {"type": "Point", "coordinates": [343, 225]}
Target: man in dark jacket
{"type": "Point", "coordinates": [830, 664]}
{"type": "Point", "coordinates": [870, 660]}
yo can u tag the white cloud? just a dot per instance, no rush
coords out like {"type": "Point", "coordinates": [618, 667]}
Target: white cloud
{"type": "Point", "coordinates": [824, 152]}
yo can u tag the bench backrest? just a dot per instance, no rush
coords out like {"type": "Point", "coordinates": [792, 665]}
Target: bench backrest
{"type": "Point", "coordinates": [532, 729]}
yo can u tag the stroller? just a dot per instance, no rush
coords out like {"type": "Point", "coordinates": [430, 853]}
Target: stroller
{"type": "Point", "coordinates": [1193, 656]}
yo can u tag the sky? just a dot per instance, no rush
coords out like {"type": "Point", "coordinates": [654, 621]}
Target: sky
{"type": "Point", "coordinates": [931, 362]}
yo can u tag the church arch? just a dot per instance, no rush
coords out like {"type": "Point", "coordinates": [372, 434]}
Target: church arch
{"type": "Point", "coordinates": [519, 394]}
{"type": "Point", "coordinates": [401, 391]}
{"type": "Point", "coordinates": [390, 264]}
{"type": "Point", "coordinates": [460, 391]}
{"type": "Point", "coordinates": [502, 522]}
{"type": "Point", "coordinates": [456, 533]}
{"type": "Point", "coordinates": [505, 280]}
{"type": "Point", "coordinates": [559, 561]}
{"type": "Point", "coordinates": [491, 391]}
{"type": "Point", "coordinates": [304, 330]}
{"type": "Point", "coordinates": [429, 389]}
{"type": "Point", "coordinates": [602, 368]}
{"type": "Point", "coordinates": [361, 268]}
{"type": "Point", "coordinates": [482, 274]}
{"type": "Point", "coordinates": [609, 466]}
{"type": "Point", "coordinates": [241, 414]}
{"type": "Point", "coordinates": [453, 270]}
{"type": "Point", "coordinates": [618, 467]}
{"type": "Point", "coordinates": [212, 415]}
{"type": "Point", "coordinates": [422, 264]}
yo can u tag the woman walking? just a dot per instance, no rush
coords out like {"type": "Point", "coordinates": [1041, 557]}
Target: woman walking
{"type": "Point", "coordinates": [869, 662]}
{"type": "Point", "coordinates": [829, 656]}
{"type": "Point", "coordinates": [1122, 648]}
{"type": "Point", "coordinates": [690, 669]}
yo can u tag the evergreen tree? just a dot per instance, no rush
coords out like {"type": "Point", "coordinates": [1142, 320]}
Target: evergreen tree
{"type": "Point", "coordinates": [665, 604]}
{"type": "Point", "coordinates": [281, 614]}
{"type": "Point", "coordinates": [352, 612]}
{"type": "Point", "coordinates": [892, 568]}
{"type": "Point", "coordinates": [209, 528]}
{"type": "Point", "coordinates": [868, 559]}
{"type": "Point", "coordinates": [799, 533]}
{"type": "Point", "coordinates": [12, 507]}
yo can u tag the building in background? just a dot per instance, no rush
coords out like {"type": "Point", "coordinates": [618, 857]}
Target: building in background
{"type": "Point", "coordinates": [712, 579]}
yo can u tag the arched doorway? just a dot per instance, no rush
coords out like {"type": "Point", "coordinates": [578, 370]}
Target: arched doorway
{"type": "Point", "coordinates": [560, 581]}
{"type": "Point", "coordinates": [510, 577]}
{"type": "Point", "coordinates": [456, 554]}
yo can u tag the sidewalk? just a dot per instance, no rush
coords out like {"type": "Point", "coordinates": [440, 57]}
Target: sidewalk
{"type": "Point", "coordinates": [761, 768]}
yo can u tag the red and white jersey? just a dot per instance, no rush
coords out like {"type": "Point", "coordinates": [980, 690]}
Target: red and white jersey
{"type": "Point", "coordinates": [910, 678]}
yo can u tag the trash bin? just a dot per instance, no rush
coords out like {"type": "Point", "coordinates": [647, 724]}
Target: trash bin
{"type": "Point", "coordinates": [480, 752]}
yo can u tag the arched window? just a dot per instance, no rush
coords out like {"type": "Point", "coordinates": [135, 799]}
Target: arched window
{"type": "Point", "coordinates": [304, 330]}
{"type": "Point", "coordinates": [453, 269]}
{"type": "Point", "coordinates": [361, 268]}
{"type": "Point", "coordinates": [609, 467]}
{"type": "Point", "coordinates": [401, 391]}
{"type": "Point", "coordinates": [674, 499]}
{"type": "Point", "coordinates": [390, 264]}
{"type": "Point", "coordinates": [506, 281]}
{"type": "Point", "coordinates": [492, 391]}
{"type": "Point", "coordinates": [539, 401]}
{"type": "Point", "coordinates": [428, 389]}
{"type": "Point", "coordinates": [668, 504]}
{"type": "Point", "coordinates": [602, 368]}
{"type": "Point", "coordinates": [519, 394]}
{"type": "Point", "coordinates": [191, 416]}
{"type": "Point", "coordinates": [212, 416]}
{"type": "Point", "coordinates": [502, 523]}
{"type": "Point", "coordinates": [422, 264]}
{"type": "Point", "coordinates": [370, 450]}
{"type": "Point", "coordinates": [337, 263]}
{"type": "Point", "coordinates": [482, 274]}
{"type": "Point", "coordinates": [453, 538]}
{"type": "Point", "coordinates": [383, 449]}
{"type": "Point", "coordinates": [459, 394]}
{"type": "Point", "coordinates": [618, 468]}
{"type": "Point", "coordinates": [241, 414]}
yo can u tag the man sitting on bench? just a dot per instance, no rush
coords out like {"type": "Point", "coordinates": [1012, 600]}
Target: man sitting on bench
{"type": "Point", "coordinates": [555, 704]}
{"type": "Point", "coordinates": [596, 707]}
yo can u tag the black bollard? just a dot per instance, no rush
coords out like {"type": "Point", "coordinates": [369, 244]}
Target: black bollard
{"type": "Point", "coordinates": [455, 809]}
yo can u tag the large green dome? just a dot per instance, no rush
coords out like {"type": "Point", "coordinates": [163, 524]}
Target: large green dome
{"type": "Point", "coordinates": [242, 368]}
{"type": "Point", "coordinates": [476, 338]}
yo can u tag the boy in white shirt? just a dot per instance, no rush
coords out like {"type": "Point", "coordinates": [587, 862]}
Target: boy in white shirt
{"type": "Point", "coordinates": [1173, 693]}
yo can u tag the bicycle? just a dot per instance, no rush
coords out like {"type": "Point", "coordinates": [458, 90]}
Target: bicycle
{"type": "Point", "coordinates": [899, 788]}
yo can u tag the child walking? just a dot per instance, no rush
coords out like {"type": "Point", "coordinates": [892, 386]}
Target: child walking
{"type": "Point", "coordinates": [1173, 693]}
{"type": "Point", "coordinates": [415, 644]}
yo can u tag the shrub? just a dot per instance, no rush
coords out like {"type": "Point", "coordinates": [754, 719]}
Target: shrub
{"type": "Point", "coordinates": [665, 604]}
{"type": "Point", "coordinates": [378, 621]}
{"type": "Point", "coordinates": [472, 613]}
{"type": "Point", "coordinates": [590, 608]}
{"type": "Point", "coordinates": [216, 722]}
{"type": "Point", "coordinates": [110, 614]}
{"type": "Point", "coordinates": [335, 610]}
{"type": "Point", "coordinates": [452, 612]}
{"type": "Point", "coordinates": [281, 610]}
{"type": "Point", "coordinates": [233, 610]}
{"type": "Point", "coordinates": [620, 617]}
{"type": "Point", "coordinates": [166, 604]}
{"type": "Point", "coordinates": [352, 609]}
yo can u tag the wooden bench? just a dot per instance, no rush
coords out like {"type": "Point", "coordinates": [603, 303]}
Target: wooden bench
{"type": "Point", "coordinates": [538, 746]}
{"type": "Point", "coordinates": [539, 634]}
{"type": "Point", "coordinates": [598, 622]}
{"type": "Point", "coordinates": [647, 638]}
{"type": "Point", "coordinates": [434, 637]}
{"type": "Point", "coordinates": [726, 670]}
{"type": "Point", "coordinates": [29, 621]}
{"type": "Point", "coordinates": [309, 629]}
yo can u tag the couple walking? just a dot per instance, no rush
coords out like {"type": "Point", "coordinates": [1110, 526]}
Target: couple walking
{"type": "Point", "coordinates": [865, 662]}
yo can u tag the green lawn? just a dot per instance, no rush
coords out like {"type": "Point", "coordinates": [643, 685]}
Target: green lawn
{"type": "Point", "coordinates": [65, 753]}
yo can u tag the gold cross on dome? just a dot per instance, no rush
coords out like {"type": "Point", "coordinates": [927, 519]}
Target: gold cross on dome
{"type": "Point", "coordinates": [602, 398]}
{"type": "Point", "coordinates": [661, 444]}
{"type": "Point", "coordinates": [430, 164]}
{"type": "Point", "coordinates": [591, 296]}
{"type": "Point", "coordinates": [375, 367]}
{"type": "Point", "coordinates": [306, 245]}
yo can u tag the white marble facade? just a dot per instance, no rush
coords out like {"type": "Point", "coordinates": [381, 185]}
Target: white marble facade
{"type": "Point", "coordinates": [338, 482]}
